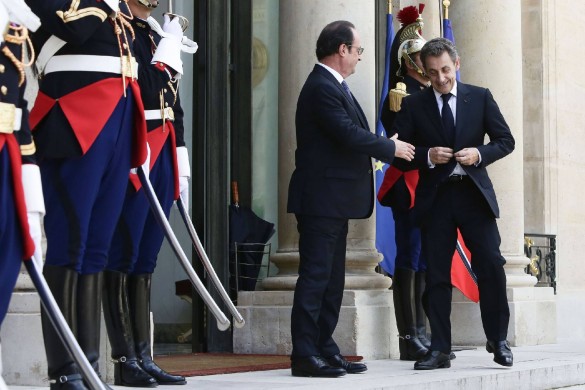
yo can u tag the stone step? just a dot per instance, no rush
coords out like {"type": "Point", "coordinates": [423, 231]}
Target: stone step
{"type": "Point", "coordinates": [551, 366]}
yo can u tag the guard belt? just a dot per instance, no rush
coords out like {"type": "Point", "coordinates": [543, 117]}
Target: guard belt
{"type": "Point", "coordinates": [91, 63]}
{"type": "Point", "coordinates": [167, 114]}
{"type": "Point", "coordinates": [10, 118]}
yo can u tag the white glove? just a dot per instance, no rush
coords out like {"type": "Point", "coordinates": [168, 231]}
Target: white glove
{"type": "Point", "coordinates": [187, 45]}
{"type": "Point", "coordinates": [172, 27]}
{"type": "Point", "coordinates": [35, 207]}
{"type": "Point", "coordinates": [168, 50]}
{"type": "Point", "coordinates": [184, 168]}
{"type": "Point", "coordinates": [113, 4]}
{"type": "Point", "coordinates": [145, 165]}
{"type": "Point", "coordinates": [184, 191]}
{"type": "Point", "coordinates": [20, 13]}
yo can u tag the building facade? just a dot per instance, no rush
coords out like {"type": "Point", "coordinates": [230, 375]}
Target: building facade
{"type": "Point", "coordinates": [240, 99]}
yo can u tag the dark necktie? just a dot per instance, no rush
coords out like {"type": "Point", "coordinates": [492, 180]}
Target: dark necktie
{"type": "Point", "coordinates": [346, 87]}
{"type": "Point", "coordinates": [448, 119]}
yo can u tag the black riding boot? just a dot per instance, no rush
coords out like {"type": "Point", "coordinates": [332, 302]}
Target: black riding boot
{"type": "Point", "coordinates": [89, 305]}
{"type": "Point", "coordinates": [403, 287]}
{"type": "Point", "coordinates": [63, 371]}
{"type": "Point", "coordinates": [139, 296]}
{"type": "Point", "coordinates": [127, 370]}
{"type": "Point", "coordinates": [421, 318]}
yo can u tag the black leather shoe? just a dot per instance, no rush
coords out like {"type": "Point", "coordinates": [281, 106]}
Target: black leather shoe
{"type": "Point", "coordinates": [433, 360]}
{"type": "Point", "coordinates": [502, 352]}
{"type": "Point", "coordinates": [162, 377]}
{"type": "Point", "coordinates": [350, 367]}
{"type": "Point", "coordinates": [314, 366]}
{"type": "Point", "coordinates": [129, 373]}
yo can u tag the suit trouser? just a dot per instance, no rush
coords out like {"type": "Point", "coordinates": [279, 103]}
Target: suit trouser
{"type": "Point", "coordinates": [319, 288]}
{"type": "Point", "coordinates": [461, 205]}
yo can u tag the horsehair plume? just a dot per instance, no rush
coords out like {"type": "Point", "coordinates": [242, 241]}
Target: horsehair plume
{"type": "Point", "coordinates": [421, 7]}
{"type": "Point", "coordinates": [408, 15]}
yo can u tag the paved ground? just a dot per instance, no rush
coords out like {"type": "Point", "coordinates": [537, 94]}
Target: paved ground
{"type": "Point", "coordinates": [538, 367]}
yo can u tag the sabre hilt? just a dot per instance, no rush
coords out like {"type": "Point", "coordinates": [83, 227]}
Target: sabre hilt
{"type": "Point", "coordinates": [183, 21]}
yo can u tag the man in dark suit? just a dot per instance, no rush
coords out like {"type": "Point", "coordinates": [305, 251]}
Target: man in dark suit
{"type": "Point", "coordinates": [447, 124]}
{"type": "Point", "coordinates": [332, 182]}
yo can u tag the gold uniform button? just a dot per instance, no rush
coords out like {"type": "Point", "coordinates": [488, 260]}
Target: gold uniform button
{"type": "Point", "coordinates": [4, 90]}
{"type": "Point", "coordinates": [166, 104]}
{"type": "Point", "coordinates": [2, 68]}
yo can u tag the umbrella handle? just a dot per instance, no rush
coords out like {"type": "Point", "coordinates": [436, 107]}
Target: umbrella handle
{"type": "Point", "coordinates": [235, 193]}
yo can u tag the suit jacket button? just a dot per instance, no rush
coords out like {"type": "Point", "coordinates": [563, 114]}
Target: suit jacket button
{"type": "Point", "coordinates": [369, 171]}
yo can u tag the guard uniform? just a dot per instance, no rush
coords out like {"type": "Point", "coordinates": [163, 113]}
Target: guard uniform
{"type": "Point", "coordinates": [16, 148]}
{"type": "Point", "coordinates": [88, 124]}
{"type": "Point", "coordinates": [138, 236]}
{"type": "Point", "coordinates": [21, 201]}
{"type": "Point", "coordinates": [397, 191]}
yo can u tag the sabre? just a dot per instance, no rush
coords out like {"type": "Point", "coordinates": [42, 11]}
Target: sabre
{"type": "Point", "coordinates": [183, 21]}
{"type": "Point", "coordinates": [222, 322]}
{"type": "Point", "coordinates": [61, 327]}
{"type": "Point", "coordinates": [239, 320]}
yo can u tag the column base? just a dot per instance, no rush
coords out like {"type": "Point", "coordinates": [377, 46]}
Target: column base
{"type": "Point", "coordinates": [23, 350]}
{"type": "Point", "coordinates": [367, 326]}
{"type": "Point", "coordinates": [533, 318]}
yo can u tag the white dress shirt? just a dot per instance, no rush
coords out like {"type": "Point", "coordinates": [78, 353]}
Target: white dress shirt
{"type": "Point", "coordinates": [453, 105]}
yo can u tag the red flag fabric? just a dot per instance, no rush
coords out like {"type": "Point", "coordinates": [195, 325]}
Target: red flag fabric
{"type": "Point", "coordinates": [462, 276]}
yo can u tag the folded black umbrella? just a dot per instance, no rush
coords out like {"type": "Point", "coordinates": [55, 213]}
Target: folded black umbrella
{"type": "Point", "coordinates": [248, 235]}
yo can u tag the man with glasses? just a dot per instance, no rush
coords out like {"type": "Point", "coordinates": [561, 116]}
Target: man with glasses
{"type": "Point", "coordinates": [332, 182]}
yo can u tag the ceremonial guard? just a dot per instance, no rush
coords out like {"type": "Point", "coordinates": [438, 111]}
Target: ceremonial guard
{"type": "Point", "coordinates": [21, 197]}
{"type": "Point", "coordinates": [397, 191]}
{"type": "Point", "coordinates": [88, 124]}
{"type": "Point", "coordinates": [138, 237]}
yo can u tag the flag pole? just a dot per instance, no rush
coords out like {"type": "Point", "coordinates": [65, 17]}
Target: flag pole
{"type": "Point", "coordinates": [446, 4]}
{"type": "Point", "coordinates": [389, 7]}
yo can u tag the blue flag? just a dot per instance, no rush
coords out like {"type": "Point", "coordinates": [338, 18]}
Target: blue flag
{"type": "Point", "coordinates": [448, 34]}
{"type": "Point", "coordinates": [385, 243]}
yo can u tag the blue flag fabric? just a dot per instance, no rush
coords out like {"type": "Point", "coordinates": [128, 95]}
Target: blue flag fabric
{"type": "Point", "coordinates": [448, 34]}
{"type": "Point", "coordinates": [385, 243]}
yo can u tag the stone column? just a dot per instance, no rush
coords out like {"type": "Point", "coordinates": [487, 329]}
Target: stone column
{"type": "Point", "coordinates": [367, 300]}
{"type": "Point", "coordinates": [489, 40]}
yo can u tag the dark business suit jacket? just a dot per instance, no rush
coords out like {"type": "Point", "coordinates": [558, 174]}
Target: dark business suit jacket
{"type": "Point", "coordinates": [333, 175]}
{"type": "Point", "coordinates": [332, 182]}
{"type": "Point", "coordinates": [419, 123]}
